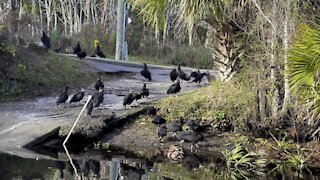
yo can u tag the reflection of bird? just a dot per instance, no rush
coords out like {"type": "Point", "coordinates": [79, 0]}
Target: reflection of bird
{"type": "Point", "coordinates": [63, 97]}
{"type": "Point", "coordinates": [173, 74]}
{"type": "Point", "coordinates": [95, 167]}
{"type": "Point", "coordinates": [145, 72]}
{"type": "Point", "coordinates": [128, 99]}
{"type": "Point", "coordinates": [45, 40]}
{"type": "Point", "coordinates": [182, 75]}
{"type": "Point", "coordinates": [60, 166]}
{"type": "Point", "coordinates": [99, 84]}
{"type": "Point", "coordinates": [99, 52]}
{"type": "Point", "coordinates": [78, 96]}
{"type": "Point", "coordinates": [77, 48]}
{"type": "Point", "coordinates": [144, 91]}
{"type": "Point", "coordinates": [191, 161]}
{"type": "Point", "coordinates": [174, 88]}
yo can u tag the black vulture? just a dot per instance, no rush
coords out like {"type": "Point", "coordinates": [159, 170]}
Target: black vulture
{"type": "Point", "coordinates": [152, 111]}
{"type": "Point", "coordinates": [173, 74]}
{"type": "Point", "coordinates": [145, 72]}
{"type": "Point", "coordinates": [98, 98]}
{"type": "Point", "coordinates": [195, 74]}
{"type": "Point", "coordinates": [196, 127]}
{"type": "Point", "coordinates": [77, 48]}
{"type": "Point", "coordinates": [174, 88]}
{"type": "Point", "coordinates": [162, 132]}
{"type": "Point", "coordinates": [63, 97]}
{"type": "Point", "coordinates": [137, 96]}
{"type": "Point", "coordinates": [78, 96]}
{"type": "Point", "coordinates": [81, 54]}
{"type": "Point", "coordinates": [158, 120]}
{"type": "Point", "coordinates": [128, 99]}
{"type": "Point", "coordinates": [89, 107]}
{"type": "Point", "coordinates": [182, 75]}
{"type": "Point", "coordinates": [198, 79]}
{"type": "Point", "coordinates": [99, 84]}
{"type": "Point", "coordinates": [45, 40]}
{"type": "Point", "coordinates": [190, 137]}
{"type": "Point", "coordinates": [99, 52]}
{"type": "Point", "coordinates": [144, 91]}
{"type": "Point", "coordinates": [175, 126]}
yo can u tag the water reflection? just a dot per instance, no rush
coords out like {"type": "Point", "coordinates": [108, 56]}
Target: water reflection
{"type": "Point", "coordinates": [120, 165]}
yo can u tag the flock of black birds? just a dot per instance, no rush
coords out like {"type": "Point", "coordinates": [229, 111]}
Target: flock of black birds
{"type": "Point", "coordinates": [80, 53]}
{"type": "Point", "coordinates": [192, 135]}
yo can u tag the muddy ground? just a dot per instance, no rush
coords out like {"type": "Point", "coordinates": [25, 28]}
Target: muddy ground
{"type": "Point", "coordinates": [26, 120]}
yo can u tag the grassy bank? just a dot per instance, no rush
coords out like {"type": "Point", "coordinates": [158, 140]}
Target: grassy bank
{"type": "Point", "coordinates": [37, 71]}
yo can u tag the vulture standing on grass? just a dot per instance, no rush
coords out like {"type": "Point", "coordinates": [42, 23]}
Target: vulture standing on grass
{"type": "Point", "coordinates": [63, 97]}
{"type": "Point", "coordinates": [173, 74]}
{"type": "Point", "coordinates": [128, 99]}
{"type": "Point", "coordinates": [77, 48]}
{"type": "Point", "coordinates": [162, 132]}
{"type": "Point", "coordinates": [192, 137]}
{"type": "Point", "coordinates": [182, 75]}
{"type": "Point", "coordinates": [144, 91]}
{"type": "Point", "coordinates": [158, 120]}
{"type": "Point", "coordinates": [45, 40]}
{"type": "Point", "coordinates": [145, 72]}
{"type": "Point", "coordinates": [78, 96]}
{"type": "Point", "coordinates": [174, 88]}
{"type": "Point", "coordinates": [99, 52]}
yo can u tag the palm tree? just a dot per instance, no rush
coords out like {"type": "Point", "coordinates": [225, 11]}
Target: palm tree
{"type": "Point", "coordinates": [214, 16]}
{"type": "Point", "coordinates": [304, 67]}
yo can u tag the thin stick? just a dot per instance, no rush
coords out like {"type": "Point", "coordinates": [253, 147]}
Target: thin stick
{"type": "Point", "coordinates": [74, 124]}
{"type": "Point", "coordinates": [65, 141]}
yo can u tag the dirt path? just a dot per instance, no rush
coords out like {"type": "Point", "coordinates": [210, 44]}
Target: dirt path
{"type": "Point", "coordinates": [22, 122]}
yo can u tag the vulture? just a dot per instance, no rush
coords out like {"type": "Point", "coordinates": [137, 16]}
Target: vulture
{"type": "Point", "coordinates": [90, 107]}
{"type": "Point", "coordinates": [152, 111]}
{"type": "Point", "coordinates": [45, 40]}
{"type": "Point", "coordinates": [99, 52]}
{"type": "Point", "coordinates": [182, 75]}
{"type": "Point", "coordinates": [77, 97]}
{"type": "Point", "coordinates": [99, 84]}
{"type": "Point", "coordinates": [137, 96]}
{"type": "Point", "coordinates": [63, 97]}
{"type": "Point", "coordinates": [144, 91]}
{"type": "Point", "coordinates": [158, 120]}
{"type": "Point", "coordinates": [173, 74]}
{"type": "Point", "coordinates": [145, 72]}
{"type": "Point", "coordinates": [98, 98]}
{"type": "Point", "coordinates": [162, 132]}
{"type": "Point", "coordinates": [192, 137]}
{"type": "Point", "coordinates": [175, 126]}
{"type": "Point", "coordinates": [128, 99]}
{"type": "Point", "coordinates": [81, 54]}
{"type": "Point", "coordinates": [174, 88]}
{"type": "Point", "coordinates": [77, 48]}
{"type": "Point", "coordinates": [195, 74]}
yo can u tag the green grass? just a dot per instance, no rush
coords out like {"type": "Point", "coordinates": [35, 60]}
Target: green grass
{"type": "Point", "coordinates": [38, 69]}
{"type": "Point", "coordinates": [218, 101]}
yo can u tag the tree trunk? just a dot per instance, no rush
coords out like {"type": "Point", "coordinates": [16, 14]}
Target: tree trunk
{"type": "Point", "coordinates": [286, 98]}
{"type": "Point", "coordinates": [226, 56]}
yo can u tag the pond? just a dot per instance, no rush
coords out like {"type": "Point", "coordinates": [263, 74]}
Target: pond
{"type": "Point", "coordinates": [116, 163]}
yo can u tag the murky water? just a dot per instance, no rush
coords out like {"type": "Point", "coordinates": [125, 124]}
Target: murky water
{"type": "Point", "coordinates": [119, 164]}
